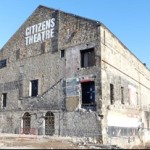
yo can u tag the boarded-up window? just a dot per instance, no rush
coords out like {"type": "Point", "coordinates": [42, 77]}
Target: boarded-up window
{"type": "Point", "coordinates": [34, 88]}
{"type": "Point", "coordinates": [147, 117]}
{"type": "Point", "coordinates": [17, 54]}
{"type": "Point", "coordinates": [87, 58]}
{"type": "Point", "coordinates": [132, 95]}
{"type": "Point", "coordinates": [4, 99]}
{"type": "Point", "coordinates": [111, 93]}
{"type": "Point", "coordinates": [43, 45]}
{"type": "Point", "coordinates": [20, 89]}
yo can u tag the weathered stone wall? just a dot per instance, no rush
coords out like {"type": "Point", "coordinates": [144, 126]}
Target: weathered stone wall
{"type": "Point", "coordinates": [122, 69]}
{"type": "Point", "coordinates": [11, 122]}
{"type": "Point", "coordinates": [81, 124]}
{"type": "Point", "coordinates": [60, 79]}
{"type": "Point", "coordinates": [29, 62]}
{"type": "Point", "coordinates": [120, 62]}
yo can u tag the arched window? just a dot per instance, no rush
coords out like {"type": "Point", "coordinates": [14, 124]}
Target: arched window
{"type": "Point", "coordinates": [49, 123]}
{"type": "Point", "coordinates": [26, 123]}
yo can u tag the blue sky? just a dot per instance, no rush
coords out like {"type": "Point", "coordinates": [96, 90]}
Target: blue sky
{"type": "Point", "coordinates": [129, 20]}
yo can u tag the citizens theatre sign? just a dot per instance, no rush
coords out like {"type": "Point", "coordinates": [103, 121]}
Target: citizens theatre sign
{"type": "Point", "coordinates": [40, 31]}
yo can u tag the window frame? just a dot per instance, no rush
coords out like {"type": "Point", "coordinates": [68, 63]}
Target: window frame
{"type": "Point", "coordinates": [31, 88]}
{"type": "Point", "coordinates": [87, 58]}
{"type": "Point", "coordinates": [93, 102]}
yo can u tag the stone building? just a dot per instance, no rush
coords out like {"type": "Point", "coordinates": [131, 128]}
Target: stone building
{"type": "Point", "coordinates": [66, 75]}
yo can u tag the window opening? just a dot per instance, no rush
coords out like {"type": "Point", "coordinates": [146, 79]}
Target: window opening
{"type": "Point", "coordinates": [2, 63]}
{"type": "Point", "coordinates": [111, 93]}
{"type": "Point", "coordinates": [34, 88]}
{"type": "Point", "coordinates": [4, 99]}
{"type": "Point", "coordinates": [87, 58]}
{"type": "Point", "coordinates": [88, 93]}
{"type": "Point", "coordinates": [122, 95]}
{"type": "Point", "coordinates": [62, 53]}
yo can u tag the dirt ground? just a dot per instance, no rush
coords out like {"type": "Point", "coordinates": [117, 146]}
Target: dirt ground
{"type": "Point", "coordinates": [142, 146]}
{"type": "Point", "coordinates": [16, 141]}
{"type": "Point", "coordinates": [32, 142]}
{"type": "Point", "coordinates": [21, 141]}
